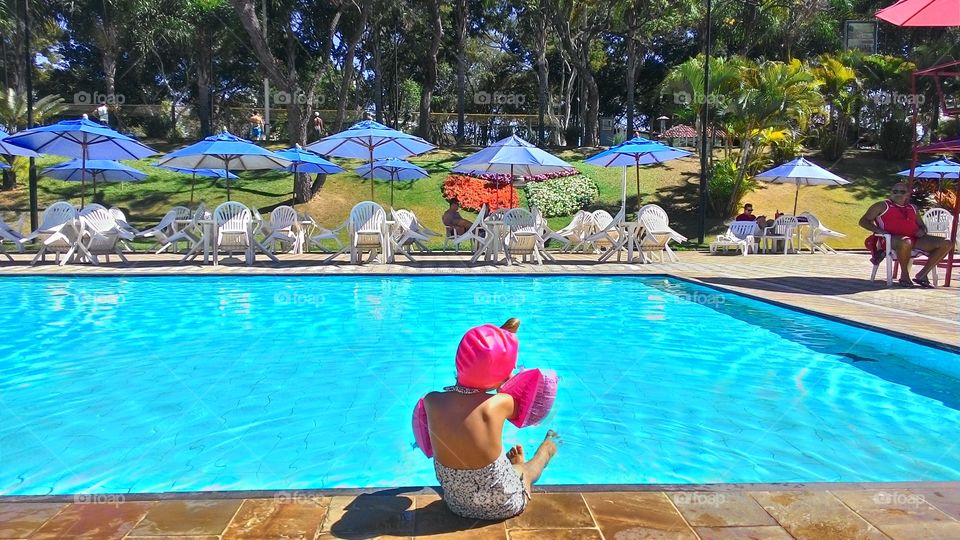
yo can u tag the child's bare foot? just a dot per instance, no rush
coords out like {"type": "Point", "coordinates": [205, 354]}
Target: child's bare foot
{"type": "Point", "coordinates": [549, 445]}
{"type": "Point", "coordinates": [515, 455]}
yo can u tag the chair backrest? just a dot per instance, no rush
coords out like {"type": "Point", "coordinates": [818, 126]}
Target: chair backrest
{"type": "Point", "coordinates": [784, 224]}
{"type": "Point", "coordinates": [58, 213]}
{"type": "Point", "coordinates": [232, 217]}
{"type": "Point", "coordinates": [519, 218]}
{"type": "Point", "coordinates": [165, 222]}
{"type": "Point", "coordinates": [99, 219]}
{"type": "Point", "coordinates": [283, 217]}
{"type": "Point", "coordinates": [743, 229]}
{"type": "Point", "coordinates": [92, 207]}
{"type": "Point", "coordinates": [602, 218]}
{"type": "Point", "coordinates": [938, 221]}
{"type": "Point", "coordinates": [405, 219]}
{"type": "Point", "coordinates": [182, 212]}
{"type": "Point", "coordinates": [652, 209]}
{"type": "Point", "coordinates": [117, 215]}
{"type": "Point", "coordinates": [367, 217]}
{"type": "Point", "coordinates": [198, 214]}
{"type": "Point", "coordinates": [481, 215]}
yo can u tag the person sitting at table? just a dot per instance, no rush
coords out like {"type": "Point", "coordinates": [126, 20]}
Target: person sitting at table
{"type": "Point", "coordinates": [747, 215]}
{"type": "Point", "coordinates": [453, 219]}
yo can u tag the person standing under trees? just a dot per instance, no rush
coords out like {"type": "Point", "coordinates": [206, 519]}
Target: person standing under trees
{"type": "Point", "coordinates": [318, 131]}
{"type": "Point", "coordinates": [256, 126]}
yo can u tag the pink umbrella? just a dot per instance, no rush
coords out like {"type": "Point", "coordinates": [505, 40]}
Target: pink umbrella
{"type": "Point", "coordinates": [922, 13]}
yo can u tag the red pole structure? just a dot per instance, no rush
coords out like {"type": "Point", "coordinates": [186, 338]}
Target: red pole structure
{"type": "Point", "coordinates": [913, 134]}
{"type": "Point", "coordinates": [953, 233]}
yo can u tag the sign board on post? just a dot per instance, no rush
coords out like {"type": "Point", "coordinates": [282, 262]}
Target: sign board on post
{"type": "Point", "coordinates": [860, 35]}
{"type": "Point", "coordinates": [607, 131]}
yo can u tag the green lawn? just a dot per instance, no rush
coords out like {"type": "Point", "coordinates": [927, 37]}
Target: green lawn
{"type": "Point", "coordinates": [673, 185]}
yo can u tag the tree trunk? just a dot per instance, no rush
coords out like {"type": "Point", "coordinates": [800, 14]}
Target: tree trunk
{"type": "Point", "coordinates": [578, 51]}
{"type": "Point", "coordinates": [430, 69]}
{"type": "Point", "coordinates": [348, 71]}
{"type": "Point", "coordinates": [204, 71]}
{"type": "Point", "coordinates": [543, 74]}
{"type": "Point", "coordinates": [631, 69]}
{"type": "Point", "coordinates": [377, 75]}
{"type": "Point", "coordinates": [462, 15]}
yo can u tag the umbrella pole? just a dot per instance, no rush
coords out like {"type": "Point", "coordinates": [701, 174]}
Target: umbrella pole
{"type": "Point", "coordinates": [623, 191]}
{"type": "Point", "coordinates": [638, 186]}
{"type": "Point", "coordinates": [795, 198]}
{"type": "Point", "coordinates": [510, 186]}
{"type": "Point", "coordinates": [392, 180]}
{"type": "Point", "coordinates": [371, 170]}
{"type": "Point", "coordinates": [226, 176]}
{"type": "Point", "coordinates": [193, 184]}
{"type": "Point", "coordinates": [83, 177]}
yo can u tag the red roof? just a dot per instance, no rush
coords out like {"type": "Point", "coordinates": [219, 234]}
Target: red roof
{"type": "Point", "coordinates": [942, 147]}
{"type": "Point", "coordinates": [687, 132]}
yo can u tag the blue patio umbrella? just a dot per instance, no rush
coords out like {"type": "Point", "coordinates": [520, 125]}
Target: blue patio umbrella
{"type": "Point", "coordinates": [9, 149]}
{"type": "Point", "coordinates": [4, 165]}
{"type": "Point", "coordinates": [514, 156]}
{"type": "Point", "coordinates": [307, 162]}
{"type": "Point", "coordinates": [81, 139]}
{"type": "Point", "coordinates": [937, 170]}
{"type": "Point", "coordinates": [224, 151]}
{"type": "Point", "coordinates": [391, 169]}
{"type": "Point", "coordinates": [802, 173]}
{"type": "Point", "coordinates": [211, 173]}
{"type": "Point", "coordinates": [371, 141]}
{"type": "Point", "coordinates": [635, 152]}
{"type": "Point", "coordinates": [105, 170]}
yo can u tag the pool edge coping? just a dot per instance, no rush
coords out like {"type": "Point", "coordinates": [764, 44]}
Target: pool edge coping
{"type": "Point", "coordinates": [295, 494]}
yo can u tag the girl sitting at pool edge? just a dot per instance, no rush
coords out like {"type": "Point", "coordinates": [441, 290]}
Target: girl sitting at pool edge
{"type": "Point", "coordinates": [466, 431]}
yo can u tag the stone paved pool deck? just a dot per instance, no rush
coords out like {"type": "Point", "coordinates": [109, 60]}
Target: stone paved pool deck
{"type": "Point", "coordinates": [833, 285]}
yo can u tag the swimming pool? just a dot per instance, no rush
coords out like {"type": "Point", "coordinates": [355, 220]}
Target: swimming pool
{"type": "Point", "coordinates": [156, 384]}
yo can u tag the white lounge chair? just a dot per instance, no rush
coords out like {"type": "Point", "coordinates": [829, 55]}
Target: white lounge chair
{"type": "Point", "coordinates": [101, 234]}
{"type": "Point", "coordinates": [11, 233]}
{"type": "Point", "coordinates": [403, 234]}
{"type": "Point", "coordinates": [657, 233]}
{"type": "Point", "coordinates": [191, 233]}
{"type": "Point", "coordinates": [320, 234]}
{"type": "Point", "coordinates": [741, 235]}
{"type": "Point", "coordinates": [816, 234]}
{"type": "Point", "coordinates": [162, 230]}
{"type": "Point", "coordinates": [572, 235]}
{"type": "Point", "coordinates": [783, 229]}
{"type": "Point", "coordinates": [283, 222]}
{"type": "Point", "coordinates": [472, 234]}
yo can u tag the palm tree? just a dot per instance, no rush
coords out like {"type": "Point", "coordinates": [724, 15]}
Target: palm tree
{"type": "Point", "coordinates": [841, 90]}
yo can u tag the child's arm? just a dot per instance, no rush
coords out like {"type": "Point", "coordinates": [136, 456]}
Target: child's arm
{"type": "Point", "coordinates": [505, 407]}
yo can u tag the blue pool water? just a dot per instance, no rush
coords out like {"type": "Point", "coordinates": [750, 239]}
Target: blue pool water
{"type": "Point", "coordinates": [155, 384]}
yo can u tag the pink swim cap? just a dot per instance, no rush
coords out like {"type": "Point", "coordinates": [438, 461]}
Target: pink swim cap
{"type": "Point", "coordinates": [486, 357]}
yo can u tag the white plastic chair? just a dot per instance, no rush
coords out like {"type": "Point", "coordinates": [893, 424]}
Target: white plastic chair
{"type": "Point", "coordinates": [283, 220]}
{"type": "Point", "coordinates": [57, 216]}
{"type": "Point", "coordinates": [938, 222]}
{"type": "Point", "coordinates": [101, 234]}
{"type": "Point", "coordinates": [816, 234]}
{"type": "Point", "coordinates": [741, 235]}
{"type": "Point", "coordinates": [403, 233]}
{"type": "Point", "coordinates": [233, 231]}
{"type": "Point", "coordinates": [162, 230]}
{"type": "Point", "coordinates": [890, 259]}
{"type": "Point", "coordinates": [366, 229]}
{"type": "Point", "coordinates": [783, 229]}
{"type": "Point", "coordinates": [472, 234]}
{"type": "Point", "coordinates": [524, 239]}
{"type": "Point", "coordinates": [608, 229]}
{"type": "Point", "coordinates": [191, 233]}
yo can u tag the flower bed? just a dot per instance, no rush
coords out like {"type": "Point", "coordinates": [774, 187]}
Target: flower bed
{"type": "Point", "coordinates": [472, 193]}
{"type": "Point", "coordinates": [561, 196]}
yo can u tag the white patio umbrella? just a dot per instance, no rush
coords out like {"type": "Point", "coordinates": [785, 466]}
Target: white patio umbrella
{"type": "Point", "coordinates": [802, 173]}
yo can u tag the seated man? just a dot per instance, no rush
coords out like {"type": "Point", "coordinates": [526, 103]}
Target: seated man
{"type": "Point", "coordinates": [453, 219]}
{"type": "Point", "coordinates": [747, 215]}
{"type": "Point", "coordinates": [900, 219]}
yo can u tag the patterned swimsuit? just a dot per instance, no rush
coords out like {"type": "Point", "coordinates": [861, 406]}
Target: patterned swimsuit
{"type": "Point", "coordinates": [493, 492]}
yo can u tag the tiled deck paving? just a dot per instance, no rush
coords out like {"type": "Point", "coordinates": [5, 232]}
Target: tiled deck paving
{"type": "Point", "coordinates": [835, 285]}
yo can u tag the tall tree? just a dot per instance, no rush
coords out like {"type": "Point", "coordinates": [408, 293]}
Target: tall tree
{"type": "Point", "coordinates": [435, 17]}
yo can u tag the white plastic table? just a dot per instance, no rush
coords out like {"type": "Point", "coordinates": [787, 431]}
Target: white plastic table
{"type": "Point", "coordinates": [493, 244]}
{"type": "Point", "coordinates": [631, 233]}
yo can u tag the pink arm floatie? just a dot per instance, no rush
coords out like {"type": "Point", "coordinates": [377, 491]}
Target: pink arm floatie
{"type": "Point", "coordinates": [533, 392]}
{"type": "Point", "coordinates": [421, 432]}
